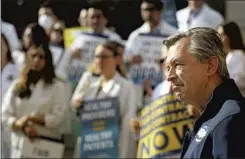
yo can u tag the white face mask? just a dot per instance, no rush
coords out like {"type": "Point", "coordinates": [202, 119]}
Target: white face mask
{"type": "Point", "coordinates": [46, 21]}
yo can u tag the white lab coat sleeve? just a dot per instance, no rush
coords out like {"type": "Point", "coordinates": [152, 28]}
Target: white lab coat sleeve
{"type": "Point", "coordinates": [82, 86]}
{"type": "Point", "coordinates": [8, 107]}
{"type": "Point", "coordinates": [56, 115]}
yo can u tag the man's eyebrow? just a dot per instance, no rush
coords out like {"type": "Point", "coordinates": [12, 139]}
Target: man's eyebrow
{"type": "Point", "coordinates": [176, 59]}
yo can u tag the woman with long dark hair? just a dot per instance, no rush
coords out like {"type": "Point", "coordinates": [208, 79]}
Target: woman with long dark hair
{"type": "Point", "coordinates": [234, 46]}
{"type": "Point", "coordinates": [35, 103]}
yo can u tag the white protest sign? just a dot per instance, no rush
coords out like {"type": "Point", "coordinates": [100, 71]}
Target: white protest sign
{"type": "Point", "coordinates": [149, 48]}
{"type": "Point", "coordinates": [87, 42]}
{"type": "Point", "coordinates": [41, 148]}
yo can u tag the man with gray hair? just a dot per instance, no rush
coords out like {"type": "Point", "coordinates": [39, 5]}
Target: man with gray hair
{"type": "Point", "coordinates": [196, 67]}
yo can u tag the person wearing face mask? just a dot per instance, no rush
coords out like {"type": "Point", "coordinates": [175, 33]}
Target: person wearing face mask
{"type": "Point", "coordinates": [198, 14]}
{"type": "Point", "coordinates": [34, 105]}
{"type": "Point", "coordinates": [46, 17]}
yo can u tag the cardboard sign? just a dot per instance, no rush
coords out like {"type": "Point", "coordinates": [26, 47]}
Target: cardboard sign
{"type": "Point", "coordinates": [148, 46]}
{"type": "Point", "coordinates": [164, 124]}
{"type": "Point", "coordinates": [87, 42]}
{"type": "Point", "coordinates": [41, 148]}
{"type": "Point", "coordinates": [100, 128]}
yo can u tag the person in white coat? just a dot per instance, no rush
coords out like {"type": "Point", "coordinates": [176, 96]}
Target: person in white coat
{"type": "Point", "coordinates": [34, 104]}
{"type": "Point", "coordinates": [151, 14]}
{"type": "Point", "coordinates": [93, 73]}
{"type": "Point", "coordinates": [112, 84]}
{"type": "Point", "coordinates": [80, 54]}
{"type": "Point", "coordinates": [235, 59]}
{"type": "Point", "coordinates": [153, 24]}
{"type": "Point", "coordinates": [9, 73]}
{"type": "Point", "coordinates": [198, 14]}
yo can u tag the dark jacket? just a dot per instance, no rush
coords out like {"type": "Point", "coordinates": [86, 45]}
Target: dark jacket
{"type": "Point", "coordinates": [220, 131]}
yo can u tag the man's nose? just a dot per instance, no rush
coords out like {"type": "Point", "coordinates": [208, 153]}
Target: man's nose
{"type": "Point", "coordinates": [171, 75]}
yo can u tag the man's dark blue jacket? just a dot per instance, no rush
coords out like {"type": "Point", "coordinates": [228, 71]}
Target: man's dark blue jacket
{"type": "Point", "coordinates": [220, 131]}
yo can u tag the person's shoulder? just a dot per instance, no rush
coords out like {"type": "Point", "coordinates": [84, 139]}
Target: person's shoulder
{"type": "Point", "coordinates": [213, 13]}
{"type": "Point", "coordinates": [238, 54]}
{"type": "Point", "coordinates": [112, 35]}
{"type": "Point", "coordinates": [232, 113]}
{"type": "Point", "coordinates": [125, 82]}
{"type": "Point", "coordinates": [136, 32]}
{"type": "Point", "coordinates": [57, 82]}
{"type": "Point", "coordinates": [168, 29]}
{"type": "Point", "coordinates": [182, 11]}
{"type": "Point", "coordinates": [7, 27]}
{"type": "Point", "coordinates": [7, 24]}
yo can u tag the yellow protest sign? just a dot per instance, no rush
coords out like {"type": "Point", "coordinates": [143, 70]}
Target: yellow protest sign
{"type": "Point", "coordinates": [163, 125]}
{"type": "Point", "coordinates": [70, 34]}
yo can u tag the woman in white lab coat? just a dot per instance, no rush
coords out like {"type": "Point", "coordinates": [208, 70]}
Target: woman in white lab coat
{"type": "Point", "coordinates": [93, 74]}
{"type": "Point", "coordinates": [34, 104]}
{"type": "Point", "coordinates": [9, 72]}
{"type": "Point", "coordinates": [235, 59]}
{"type": "Point", "coordinates": [112, 84]}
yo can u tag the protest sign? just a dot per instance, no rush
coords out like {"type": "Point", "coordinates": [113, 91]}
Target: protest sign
{"type": "Point", "coordinates": [100, 128]}
{"type": "Point", "coordinates": [70, 34]}
{"type": "Point", "coordinates": [163, 125]}
{"type": "Point", "coordinates": [149, 47]}
{"type": "Point", "coordinates": [41, 148]}
{"type": "Point", "coordinates": [87, 42]}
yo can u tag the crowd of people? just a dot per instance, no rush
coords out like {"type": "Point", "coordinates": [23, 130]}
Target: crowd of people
{"type": "Point", "coordinates": [44, 83]}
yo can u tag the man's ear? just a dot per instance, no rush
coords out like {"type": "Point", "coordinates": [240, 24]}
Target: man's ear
{"type": "Point", "coordinates": [213, 64]}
